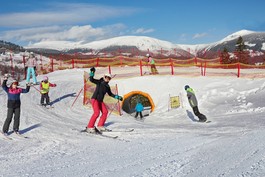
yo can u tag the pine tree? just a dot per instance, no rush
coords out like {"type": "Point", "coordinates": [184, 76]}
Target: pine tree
{"type": "Point", "coordinates": [240, 46]}
{"type": "Point", "coordinates": [241, 53]}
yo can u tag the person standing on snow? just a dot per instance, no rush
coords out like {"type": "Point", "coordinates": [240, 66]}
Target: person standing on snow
{"type": "Point", "coordinates": [194, 103]}
{"type": "Point", "coordinates": [102, 87]}
{"type": "Point", "coordinates": [44, 90]}
{"type": "Point", "coordinates": [13, 104]}
{"type": "Point", "coordinates": [151, 61]}
{"type": "Point", "coordinates": [139, 108]}
{"type": "Point", "coordinates": [31, 68]}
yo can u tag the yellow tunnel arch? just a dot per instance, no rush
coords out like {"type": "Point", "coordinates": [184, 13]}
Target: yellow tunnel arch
{"type": "Point", "coordinates": [131, 98]}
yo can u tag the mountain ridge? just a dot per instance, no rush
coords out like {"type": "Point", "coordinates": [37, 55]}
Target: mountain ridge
{"type": "Point", "coordinates": [253, 40]}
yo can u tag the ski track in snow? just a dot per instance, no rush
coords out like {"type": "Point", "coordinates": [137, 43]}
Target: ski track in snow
{"type": "Point", "coordinates": [164, 144]}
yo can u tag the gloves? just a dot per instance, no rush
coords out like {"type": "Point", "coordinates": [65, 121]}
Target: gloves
{"type": "Point", "coordinates": [55, 85]}
{"type": "Point", "coordinates": [118, 97]}
{"type": "Point", "coordinates": [92, 72]}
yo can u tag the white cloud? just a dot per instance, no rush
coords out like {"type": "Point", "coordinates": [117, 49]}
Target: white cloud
{"type": "Point", "coordinates": [143, 31]}
{"type": "Point", "coordinates": [63, 14]}
{"type": "Point", "coordinates": [199, 35]}
{"type": "Point", "coordinates": [84, 33]}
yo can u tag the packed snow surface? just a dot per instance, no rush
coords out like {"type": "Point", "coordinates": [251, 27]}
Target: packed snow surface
{"type": "Point", "coordinates": [169, 142]}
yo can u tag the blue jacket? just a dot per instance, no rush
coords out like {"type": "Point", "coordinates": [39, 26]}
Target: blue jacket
{"type": "Point", "coordinates": [13, 95]}
{"type": "Point", "coordinates": [139, 107]}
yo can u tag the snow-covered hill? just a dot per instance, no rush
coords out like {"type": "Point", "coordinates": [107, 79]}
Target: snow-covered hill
{"type": "Point", "coordinates": [166, 143]}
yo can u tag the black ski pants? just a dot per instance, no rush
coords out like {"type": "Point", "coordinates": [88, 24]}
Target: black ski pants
{"type": "Point", "coordinates": [10, 113]}
{"type": "Point", "coordinates": [45, 97]}
{"type": "Point", "coordinates": [198, 114]}
{"type": "Point", "coordinates": [137, 113]}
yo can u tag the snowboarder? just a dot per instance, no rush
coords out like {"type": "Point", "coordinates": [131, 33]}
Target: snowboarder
{"type": "Point", "coordinates": [194, 103]}
{"type": "Point", "coordinates": [151, 61]}
{"type": "Point", "coordinates": [13, 104]}
{"type": "Point", "coordinates": [31, 68]}
{"type": "Point", "coordinates": [44, 90]}
{"type": "Point", "coordinates": [139, 108]}
{"type": "Point", "coordinates": [102, 87]}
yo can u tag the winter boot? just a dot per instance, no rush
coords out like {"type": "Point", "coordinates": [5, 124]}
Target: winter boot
{"type": "Point", "coordinates": [202, 118]}
{"type": "Point", "coordinates": [103, 129]}
{"type": "Point", "coordinates": [91, 130]}
{"type": "Point", "coordinates": [16, 132]}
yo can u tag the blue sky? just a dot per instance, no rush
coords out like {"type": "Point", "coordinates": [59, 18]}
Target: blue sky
{"type": "Point", "coordinates": [179, 22]}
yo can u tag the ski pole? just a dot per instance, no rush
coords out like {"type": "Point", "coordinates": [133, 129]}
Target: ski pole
{"type": "Point", "coordinates": [112, 109]}
{"type": "Point", "coordinates": [77, 97]}
{"type": "Point", "coordinates": [36, 89]}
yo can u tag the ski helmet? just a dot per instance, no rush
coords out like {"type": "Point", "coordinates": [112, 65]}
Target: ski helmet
{"type": "Point", "coordinates": [45, 78]}
{"type": "Point", "coordinates": [186, 87]}
{"type": "Point", "coordinates": [108, 75]}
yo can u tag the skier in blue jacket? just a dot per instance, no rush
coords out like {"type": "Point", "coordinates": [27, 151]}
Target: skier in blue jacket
{"type": "Point", "coordinates": [139, 108]}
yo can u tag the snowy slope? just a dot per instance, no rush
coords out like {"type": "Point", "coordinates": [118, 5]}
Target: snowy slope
{"type": "Point", "coordinates": [167, 143]}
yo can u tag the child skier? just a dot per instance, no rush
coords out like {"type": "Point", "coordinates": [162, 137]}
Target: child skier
{"type": "Point", "coordinates": [151, 61]}
{"type": "Point", "coordinates": [44, 90]}
{"type": "Point", "coordinates": [139, 108]}
{"type": "Point", "coordinates": [13, 104]}
{"type": "Point", "coordinates": [102, 87]}
{"type": "Point", "coordinates": [194, 104]}
{"type": "Point", "coordinates": [31, 68]}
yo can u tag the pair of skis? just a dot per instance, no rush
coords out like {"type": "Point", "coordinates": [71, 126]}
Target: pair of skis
{"type": "Point", "coordinates": [7, 137]}
{"type": "Point", "coordinates": [105, 133]}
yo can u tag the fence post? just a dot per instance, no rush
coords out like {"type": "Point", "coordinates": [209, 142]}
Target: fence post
{"type": "Point", "coordinates": [172, 67]}
{"type": "Point", "coordinates": [12, 68]}
{"type": "Point", "coordinates": [51, 60]}
{"type": "Point", "coordinates": [201, 69]}
{"type": "Point", "coordinates": [24, 63]}
{"type": "Point", "coordinates": [141, 68]}
{"type": "Point", "coordinates": [238, 69]}
{"type": "Point", "coordinates": [204, 69]}
{"type": "Point", "coordinates": [73, 63]}
{"type": "Point", "coordinates": [109, 70]}
{"type": "Point", "coordinates": [195, 60]}
{"type": "Point", "coordinates": [97, 62]}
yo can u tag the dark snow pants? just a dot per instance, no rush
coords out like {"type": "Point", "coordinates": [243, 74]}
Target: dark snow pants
{"type": "Point", "coordinates": [45, 97]}
{"type": "Point", "coordinates": [198, 114]}
{"type": "Point", "coordinates": [10, 112]}
{"type": "Point", "coordinates": [137, 113]}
